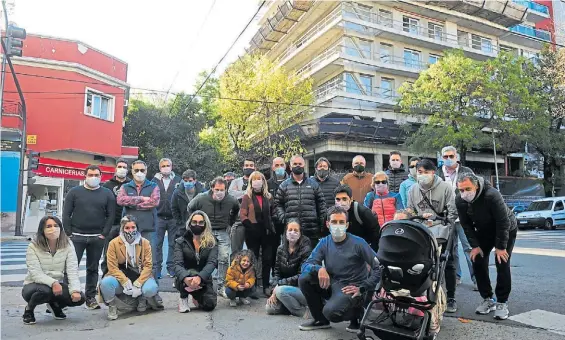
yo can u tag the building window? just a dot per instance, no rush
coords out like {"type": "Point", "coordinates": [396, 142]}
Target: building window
{"type": "Point", "coordinates": [463, 38]}
{"type": "Point", "coordinates": [385, 18]}
{"type": "Point", "coordinates": [367, 83]}
{"type": "Point", "coordinates": [387, 87]}
{"type": "Point", "coordinates": [358, 47]}
{"type": "Point", "coordinates": [99, 105]}
{"type": "Point", "coordinates": [432, 59]}
{"type": "Point", "coordinates": [386, 53]}
{"type": "Point", "coordinates": [411, 58]}
{"type": "Point", "coordinates": [504, 48]}
{"type": "Point", "coordinates": [481, 43]}
{"type": "Point", "coordinates": [435, 31]}
{"type": "Point", "coordinates": [410, 24]}
{"type": "Point", "coordinates": [351, 85]}
{"type": "Point", "coordinates": [363, 86]}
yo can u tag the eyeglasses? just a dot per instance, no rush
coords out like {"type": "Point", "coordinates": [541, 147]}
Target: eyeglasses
{"type": "Point", "coordinates": [197, 223]}
{"type": "Point", "coordinates": [138, 170]}
{"type": "Point", "coordinates": [411, 166]}
{"type": "Point", "coordinates": [381, 182]}
{"type": "Point", "coordinates": [448, 156]}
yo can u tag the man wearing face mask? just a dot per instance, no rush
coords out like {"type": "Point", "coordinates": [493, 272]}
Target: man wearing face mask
{"type": "Point", "coordinates": [359, 181]}
{"type": "Point", "coordinates": [238, 186]}
{"type": "Point", "coordinates": [326, 182]}
{"type": "Point", "coordinates": [300, 197]}
{"type": "Point", "coordinates": [167, 181]}
{"type": "Point", "coordinates": [410, 181]}
{"type": "Point", "coordinates": [449, 172]}
{"type": "Point", "coordinates": [88, 214]}
{"type": "Point", "coordinates": [488, 223]}
{"type": "Point", "coordinates": [185, 191]}
{"type": "Point", "coordinates": [362, 222]}
{"type": "Point", "coordinates": [429, 198]}
{"type": "Point", "coordinates": [396, 172]}
{"type": "Point", "coordinates": [381, 201]}
{"type": "Point", "coordinates": [114, 184]}
{"type": "Point", "coordinates": [278, 175]}
{"type": "Point", "coordinates": [343, 280]}
{"type": "Point", "coordinates": [222, 210]}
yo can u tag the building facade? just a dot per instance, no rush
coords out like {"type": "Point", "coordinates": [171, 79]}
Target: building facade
{"type": "Point", "coordinates": [360, 52]}
{"type": "Point", "coordinates": [76, 97]}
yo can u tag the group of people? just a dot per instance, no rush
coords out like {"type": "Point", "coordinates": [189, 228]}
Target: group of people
{"type": "Point", "coordinates": [311, 241]}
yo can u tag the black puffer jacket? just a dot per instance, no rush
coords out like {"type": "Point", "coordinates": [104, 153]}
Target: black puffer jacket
{"type": "Point", "coordinates": [328, 186]}
{"type": "Point", "coordinates": [287, 265]}
{"type": "Point", "coordinates": [396, 177]}
{"type": "Point", "coordinates": [304, 202]}
{"type": "Point", "coordinates": [487, 215]}
{"type": "Point", "coordinates": [188, 262]}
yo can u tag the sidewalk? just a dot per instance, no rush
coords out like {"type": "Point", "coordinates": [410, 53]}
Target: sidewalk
{"type": "Point", "coordinates": [9, 236]}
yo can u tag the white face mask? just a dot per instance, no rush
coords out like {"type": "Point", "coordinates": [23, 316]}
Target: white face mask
{"type": "Point", "coordinates": [93, 182]}
{"type": "Point", "coordinates": [257, 184]}
{"type": "Point", "coordinates": [338, 230]}
{"type": "Point", "coordinates": [413, 172]}
{"type": "Point", "coordinates": [468, 196]}
{"type": "Point", "coordinates": [395, 164]}
{"type": "Point", "coordinates": [166, 170]}
{"type": "Point", "coordinates": [344, 205]}
{"type": "Point", "coordinates": [425, 179]}
{"type": "Point", "coordinates": [121, 172]}
{"type": "Point", "coordinates": [139, 176]}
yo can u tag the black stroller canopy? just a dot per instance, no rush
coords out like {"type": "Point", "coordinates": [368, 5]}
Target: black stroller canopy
{"type": "Point", "coordinates": [405, 241]}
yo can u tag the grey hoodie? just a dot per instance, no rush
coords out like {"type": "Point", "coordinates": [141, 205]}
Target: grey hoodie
{"type": "Point", "coordinates": [440, 195]}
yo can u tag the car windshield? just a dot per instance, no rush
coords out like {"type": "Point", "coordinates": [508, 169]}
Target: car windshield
{"type": "Point", "coordinates": [540, 205]}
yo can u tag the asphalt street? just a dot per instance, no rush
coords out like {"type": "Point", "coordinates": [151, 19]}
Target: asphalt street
{"type": "Point", "coordinates": [536, 305]}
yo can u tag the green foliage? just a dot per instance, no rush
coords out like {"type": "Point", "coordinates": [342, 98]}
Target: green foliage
{"type": "Point", "coordinates": [460, 97]}
{"type": "Point", "coordinates": [257, 100]}
{"type": "Point", "coordinates": [171, 130]}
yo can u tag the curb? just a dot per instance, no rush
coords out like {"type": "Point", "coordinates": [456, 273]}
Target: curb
{"type": "Point", "coordinates": [15, 238]}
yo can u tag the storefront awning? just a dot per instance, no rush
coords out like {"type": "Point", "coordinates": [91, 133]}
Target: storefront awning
{"type": "Point", "coordinates": [49, 167]}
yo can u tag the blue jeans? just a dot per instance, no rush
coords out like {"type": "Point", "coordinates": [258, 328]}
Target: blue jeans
{"type": "Point", "coordinates": [171, 228]}
{"type": "Point", "coordinates": [110, 287]}
{"type": "Point", "coordinates": [289, 299]}
{"type": "Point", "coordinates": [232, 294]}
{"type": "Point", "coordinates": [223, 238]}
{"type": "Point", "coordinates": [466, 250]}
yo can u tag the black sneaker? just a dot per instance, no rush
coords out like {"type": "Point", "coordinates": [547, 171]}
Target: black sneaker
{"type": "Point", "coordinates": [314, 325]}
{"type": "Point", "coordinates": [353, 326]}
{"type": "Point", "coordinates": [451, 306]}
{"type": "Point", "coordinates": [56, 311]}
{"type": "Point", "coordinates": [29, 317]}
{"type": "Point", "coordinates": [92, 304]}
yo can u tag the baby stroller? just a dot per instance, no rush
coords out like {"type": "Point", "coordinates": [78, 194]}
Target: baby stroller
{"type": "Point", "coordinates": [410, 262]}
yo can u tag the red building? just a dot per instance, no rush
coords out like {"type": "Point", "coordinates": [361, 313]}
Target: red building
{"type": "Point", "coordinates": [76, 97]}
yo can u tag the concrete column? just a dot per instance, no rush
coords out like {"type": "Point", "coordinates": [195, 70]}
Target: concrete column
{"type": "Point", "coordinates": [378, 162]}
{"type": "Point", "coordinates": [307, 167]}
{"type": "Point", "coordinates": [405, 160]}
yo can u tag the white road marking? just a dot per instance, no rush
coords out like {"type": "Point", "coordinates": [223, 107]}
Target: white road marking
{"type": "Point", "coordinates": [539, 251]}
{"type": "Point", "coordinates": [552, 322]}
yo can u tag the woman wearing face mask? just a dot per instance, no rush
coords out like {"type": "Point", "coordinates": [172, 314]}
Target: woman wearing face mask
{"type": "Point", "coordinates": [291, 254]}
{"type": "Point", "coordinates": [255, 214]}
{"type": "Point", "coordinates": [381, 201]}
{"type": "Point", "coordinates": [488, 224]}
{"type": "Point", "coordinates": [196, 258]}
{"type": "Point", "coordinates": [48, 258]}
{"type": "Point", "coordinates": [129, 269]}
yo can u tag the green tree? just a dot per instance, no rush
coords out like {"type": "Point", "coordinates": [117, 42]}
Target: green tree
{"type": "Point", "coordinates": [460, 98]}
{"type": "Point", "coordinates": [257, 100]}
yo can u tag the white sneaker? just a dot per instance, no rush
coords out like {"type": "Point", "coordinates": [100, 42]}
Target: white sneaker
{"type": "Point", "coordinates": [112, 312]}
{"type": "Point", "coordinates": [184, 307]}
{"type": "Point", "coordinates": [487, 306]}
{"type": "Point", "coordinates": [245, 301]}
{"type": "Point", "coordinates": [501, 311]}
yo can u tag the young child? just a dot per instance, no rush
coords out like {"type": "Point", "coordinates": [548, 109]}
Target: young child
{"type": "Point", "coordinates": [240, 278]}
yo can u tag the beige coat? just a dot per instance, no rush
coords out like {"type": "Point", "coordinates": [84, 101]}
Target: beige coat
{"type": "Point", "coordinates": [44, 268]}
{"type": "Point", "coordinates": [116, 256]}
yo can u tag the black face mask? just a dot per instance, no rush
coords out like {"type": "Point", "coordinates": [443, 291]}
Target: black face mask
{"type": "Point", "coordinates": [248, 171]}
{"type": "Point", "coordinates": [197, 229]}
{"type": "Point", "coordinates": [359, 168]}
{"type": "Point", "coordinates": [323, 173]}
{"type": "Point", "coordinates": [298, 170]}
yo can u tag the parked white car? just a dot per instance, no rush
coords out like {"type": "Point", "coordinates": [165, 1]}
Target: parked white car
{"type": "Point", "coordinates": [547, 213]}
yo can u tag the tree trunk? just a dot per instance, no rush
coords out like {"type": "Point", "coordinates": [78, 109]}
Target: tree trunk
{"type": "Point", "coordinates": [548, 171]}
{"type": "Point", "coordinates": [462, 150]}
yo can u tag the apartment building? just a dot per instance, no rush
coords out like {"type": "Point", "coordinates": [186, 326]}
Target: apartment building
{"type": "Point", "coordinates": [360, 52]}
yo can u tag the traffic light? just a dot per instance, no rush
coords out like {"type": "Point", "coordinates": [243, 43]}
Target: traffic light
{"type": "Point", "coordinates": [33, 162]}
{"type": "Point", "coordinates": [15, 40]}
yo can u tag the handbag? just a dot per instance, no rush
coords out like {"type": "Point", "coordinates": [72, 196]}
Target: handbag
{"type": "Point", "coordinates": [440, 231]}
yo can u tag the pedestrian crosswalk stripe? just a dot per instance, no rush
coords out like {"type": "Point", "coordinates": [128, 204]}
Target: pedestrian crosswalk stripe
{"type": "Point", "coordinates": [549, 321]}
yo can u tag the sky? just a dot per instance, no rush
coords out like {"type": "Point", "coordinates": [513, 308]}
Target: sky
{"type": "Point", "coordinates": [166, 42]}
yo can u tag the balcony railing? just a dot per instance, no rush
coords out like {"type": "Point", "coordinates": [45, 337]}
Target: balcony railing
{"type": "Point", "coordinates": [320, 58]}
{"type": "Point", "coordinates": [532, 32]}
{"type": "Point", "coordinates": [338, 84]}
{"type": "Point", "coordinates": [12, 115]}
{"type": "Point", "coordinates": [533, 6]}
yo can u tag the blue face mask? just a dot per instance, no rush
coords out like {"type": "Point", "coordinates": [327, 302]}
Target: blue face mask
{"type": "Point", "coordinates": [449, 162]}
{"type": "Point", "coordinates": [280, 172]}
{"type": "Point", "coordinates": [188, 185]}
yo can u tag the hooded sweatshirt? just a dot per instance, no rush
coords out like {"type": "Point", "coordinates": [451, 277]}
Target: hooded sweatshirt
{"type": "Point", "coordinates": [486, 216]}
{"type": "Point", "coordinates": [440, 195]}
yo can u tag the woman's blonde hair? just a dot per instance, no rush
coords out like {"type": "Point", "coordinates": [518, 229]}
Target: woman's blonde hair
{"type": "Point", "coordinates": [380, 173]}
{"type": "Point", "coordinates": [207, 239]}
{"type": "Point", "coordinates": [264, 190]}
